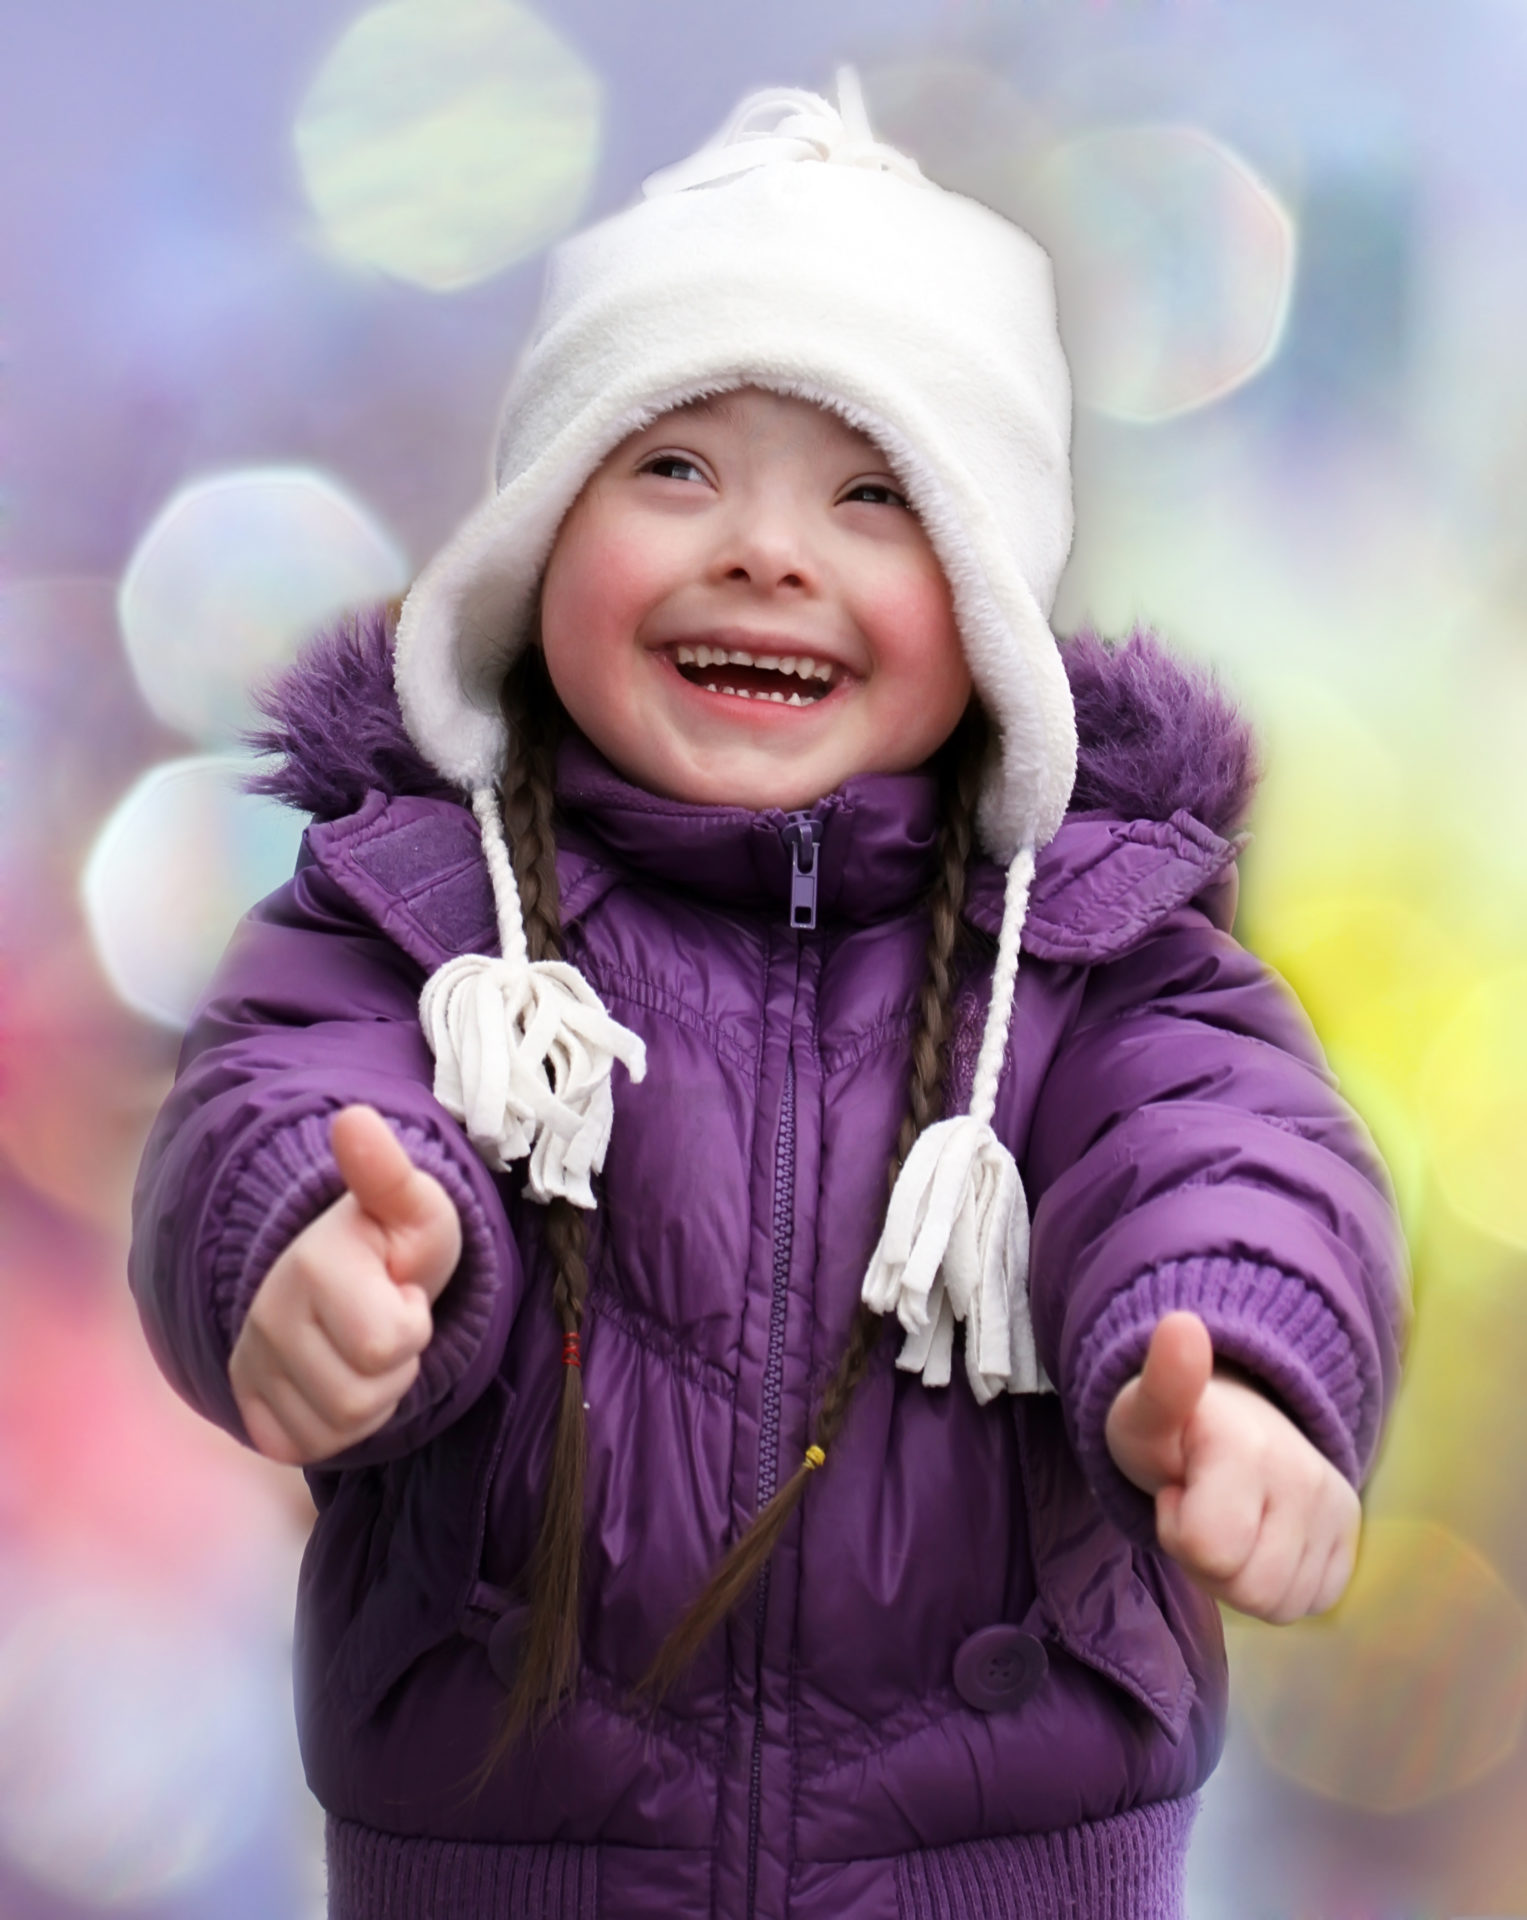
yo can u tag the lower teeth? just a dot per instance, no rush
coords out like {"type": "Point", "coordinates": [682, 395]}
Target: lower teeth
{"type": "Point", "coordinates": [779, 699]}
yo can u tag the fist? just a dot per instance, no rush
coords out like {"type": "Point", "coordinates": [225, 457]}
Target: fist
{"type": "Point", "coordinates": [1257, 1515]}
{"type": "Point", "coordinates": [332, 1339]}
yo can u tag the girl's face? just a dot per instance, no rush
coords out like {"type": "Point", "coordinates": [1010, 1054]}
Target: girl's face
{"type": "Point", "coordinates": [741, 609]}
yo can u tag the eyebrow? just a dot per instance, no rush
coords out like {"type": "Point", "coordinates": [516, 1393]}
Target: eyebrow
{"type": "Point", "coordinates": [720, 406]}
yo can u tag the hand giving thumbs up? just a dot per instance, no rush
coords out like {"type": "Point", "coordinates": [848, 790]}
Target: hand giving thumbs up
{"type": "Point", "coordinates": [332, 1339]}
{"type": "Point", "coordinates": [1256, 1514]}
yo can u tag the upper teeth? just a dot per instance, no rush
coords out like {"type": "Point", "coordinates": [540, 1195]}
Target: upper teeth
{"type": "Point", "coordinates": [797, 663]}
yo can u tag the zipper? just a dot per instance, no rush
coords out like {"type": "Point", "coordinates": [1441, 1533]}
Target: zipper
{"type": "Point", "coordinates": [768, 1451]}
{"type": "Point", "coordinates": [803, 836]}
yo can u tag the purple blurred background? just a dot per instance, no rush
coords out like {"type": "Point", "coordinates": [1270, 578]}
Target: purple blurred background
{"type": "Point", "coordinates": [265, 271]}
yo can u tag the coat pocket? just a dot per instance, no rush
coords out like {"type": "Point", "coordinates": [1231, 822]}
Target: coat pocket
{"type": "Point", "coordinates": [1119, 1609]}
{"type": "Point", "coordinates": [426, 1557]}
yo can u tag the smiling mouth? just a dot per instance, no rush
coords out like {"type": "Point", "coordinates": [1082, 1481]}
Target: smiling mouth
{"type": "Point", "coordinates": [786, 679]}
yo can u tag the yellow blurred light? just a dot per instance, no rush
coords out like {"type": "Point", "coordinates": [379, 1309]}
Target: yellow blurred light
{"type": "Point", "coordinates": [1475, 1105]}
{"type": "Point", "coordinates": [1413, 1688]}
{"type": "Point", "coordinates": [1175, 263]}
{"type": "Point", "coordinates": [442, 140]}
{"type": "Point", "coordinates": [1376, 976]}
{"type": "Point", "coordinates": [1335, 817]}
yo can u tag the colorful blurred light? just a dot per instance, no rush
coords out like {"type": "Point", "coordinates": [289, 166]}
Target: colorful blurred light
{"type": "Point", "coordinates": [233, 575]}
{"type": "Point", "coordinates": [970, 128]}
{"type": "Point", "coordinates": [442, 140]}
{"type": "Point", "coordinates": [139, 1750]}
{"type": "Point", "coordinates": [72, 729]}
{"type": "Point", "coordinates": [1175, 264]}
{"type": "Point", "coordinates": [83, 1080]}
{"type": "Point", "coordinates": [186, 852]}
{"type": "Point", "coordinates": [1413, 1688]}
{"type": "Point", "coordinates": [107, 1477]}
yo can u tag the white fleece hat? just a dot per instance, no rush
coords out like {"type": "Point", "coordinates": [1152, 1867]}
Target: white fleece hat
{"type": "Point", "coordinates": [793, 253]}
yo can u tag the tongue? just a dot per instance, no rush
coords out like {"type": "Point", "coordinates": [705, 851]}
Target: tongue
{"type": "Point", "coordinates": [753, 680]}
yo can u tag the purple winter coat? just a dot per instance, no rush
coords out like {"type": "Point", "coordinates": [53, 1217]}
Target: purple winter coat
{"type": "Point", "coordinates": [967, 1685]}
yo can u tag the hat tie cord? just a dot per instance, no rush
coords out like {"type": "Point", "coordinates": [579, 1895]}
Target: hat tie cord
{"type": "Point", "coordinates": [955, 1245]}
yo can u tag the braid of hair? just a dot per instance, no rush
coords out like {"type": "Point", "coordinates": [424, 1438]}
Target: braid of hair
{"type": "Point", "coordinates": [961, 785]}
{"type": "Point", "coordinates": [960, 776]}
{"type": "Point", "coordinates": [548, 1663]}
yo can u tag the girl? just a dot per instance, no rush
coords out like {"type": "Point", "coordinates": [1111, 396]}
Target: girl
{"type": "Point", "coordinates": [649, 1574]}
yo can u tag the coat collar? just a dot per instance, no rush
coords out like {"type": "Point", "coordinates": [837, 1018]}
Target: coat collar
{"type": "Point", "coordinates": [1165, 770]}
{"type": "Point", "coordinates": [413, 863]}
{"type": "Point", "coordinates": [877, 841]}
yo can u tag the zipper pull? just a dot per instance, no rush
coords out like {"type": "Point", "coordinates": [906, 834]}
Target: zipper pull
{"type": "Point", "coordinates": [803, 836]}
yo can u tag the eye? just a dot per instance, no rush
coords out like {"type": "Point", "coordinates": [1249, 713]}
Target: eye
{"type": "Point", "coordinates": [877, 493]}
{"type": "Point", "coordinates": [672, 466]}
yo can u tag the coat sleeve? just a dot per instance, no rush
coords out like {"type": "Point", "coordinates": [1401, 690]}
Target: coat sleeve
{"type": "Point", "coordinates": [1190, 1149]}
{"type": "Point", "coordinates": [312, 1009]}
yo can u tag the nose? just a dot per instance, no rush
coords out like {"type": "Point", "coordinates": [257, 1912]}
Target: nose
{"type": "Point", "coordinates": [765, 546]}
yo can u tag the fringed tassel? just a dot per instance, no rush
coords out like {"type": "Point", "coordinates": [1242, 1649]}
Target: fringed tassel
{"type": "Point", "coordinates": [955, 1246]}
{"type": "Point", "coordinates": [524, 1051]}
{"type": "Point", "coordinates": [955, 1249]}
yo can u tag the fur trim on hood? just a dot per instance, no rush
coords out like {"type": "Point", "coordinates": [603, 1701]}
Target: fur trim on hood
{"type": "Point", "coordinates": [1157, 734]}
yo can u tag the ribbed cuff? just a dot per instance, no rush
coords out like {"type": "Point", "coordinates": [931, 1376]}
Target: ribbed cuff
{"type": "Point", "coordinates": [288, 1179]}
{"type": "Point", "coordinates": [270, 1195]}
{"type": "Point", "coordinates": [1272, 1324]}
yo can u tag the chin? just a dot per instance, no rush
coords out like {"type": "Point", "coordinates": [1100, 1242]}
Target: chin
{"type": "Point", "coordinates": [765, 792]}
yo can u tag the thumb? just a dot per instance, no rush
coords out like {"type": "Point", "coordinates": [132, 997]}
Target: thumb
{"type": "Point", "coordinates": [1148, 1420]}
{"type": "Point", "coordinates": [420, 1224]}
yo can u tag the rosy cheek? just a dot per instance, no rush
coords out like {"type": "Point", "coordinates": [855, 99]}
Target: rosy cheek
{"type": "Point", "coordinates": [920, 629]}
{"type": "Point", "coordinates": [612, 586]}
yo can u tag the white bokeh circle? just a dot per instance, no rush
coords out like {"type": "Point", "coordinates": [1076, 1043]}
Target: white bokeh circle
{"type": "Point", "coordinates": [443, 140]}
{"type": "Point", "coordinates": [184, 854]}
{"type": "Point", "coordinates": [1175, 263]}
{"type": "Point", "coordinates": [236, 571]}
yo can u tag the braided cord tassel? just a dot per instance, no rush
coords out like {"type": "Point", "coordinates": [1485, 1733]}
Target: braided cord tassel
{"type": "Point", "coordinates": [524, 1050]}
{"type": "Point", "coordinates": [955, 1245]}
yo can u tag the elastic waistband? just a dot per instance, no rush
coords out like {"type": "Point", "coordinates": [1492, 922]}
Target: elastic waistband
{"type": "Point", "coordinates": [381, 1876]}
{"type": "Point", "coordinates": [1129, 1867]}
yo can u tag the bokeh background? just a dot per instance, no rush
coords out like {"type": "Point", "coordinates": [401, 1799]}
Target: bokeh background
{"type": "Point", "coordinates": [265, 269]}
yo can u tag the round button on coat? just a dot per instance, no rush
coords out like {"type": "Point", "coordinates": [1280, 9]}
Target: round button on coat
{"type": "Point", "coordinates": [999, 1668]}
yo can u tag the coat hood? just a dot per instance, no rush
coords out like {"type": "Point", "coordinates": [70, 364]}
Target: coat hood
{"type": "Point", "coordinates": [1157, 735]}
